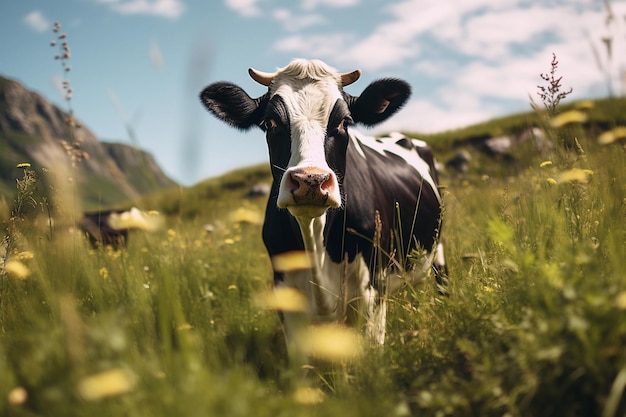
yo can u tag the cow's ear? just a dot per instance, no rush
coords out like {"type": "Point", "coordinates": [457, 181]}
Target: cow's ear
{"type": "Point", "coordinates": [379, 100]}
{"type": "Point", "coordinates": [233, 105]}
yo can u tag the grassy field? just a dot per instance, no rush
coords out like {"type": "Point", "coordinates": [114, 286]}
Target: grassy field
{"type": "Point", "coordinates": [534, 323]}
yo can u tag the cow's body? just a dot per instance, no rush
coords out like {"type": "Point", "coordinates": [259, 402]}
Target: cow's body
{"type": "Point", "coordinates": [346, 200]}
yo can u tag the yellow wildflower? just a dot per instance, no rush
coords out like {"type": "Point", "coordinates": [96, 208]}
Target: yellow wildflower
{"type": "Point", "coordinates": [584, 105]}
{"type": "Point", "coordinates": [106, 384]}
{"type": "Point", "coordinates": [545, 164]}
{"type": "Point", "coordinates": [612, 135]}
{"type": "Point", "coordinates": [17, 269]}
{"type": "Point", "coordinates": [284, 299]}
{"type": "Point", "coordinates": [104, 272]}
{"type": "Point", "coordinates": [136, 219]}
{"type": "Point", "coordinates": [332, 342]}
{"type": "Point", "coordinates": [308, 395]}
{"type": "Point", "coordinates": [568, 118]}
{"type": "Point", "coordinates": [18, 396]}
{"type": "Point", "coordinates": [244, 215]}
{"type": "Point", "coordinates": [291, 261]}
{"type": "Point", "coordinates": [576, 175]}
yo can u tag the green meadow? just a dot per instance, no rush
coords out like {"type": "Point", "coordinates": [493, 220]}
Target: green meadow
{"type": "Point", "coordinates": [174, 324]}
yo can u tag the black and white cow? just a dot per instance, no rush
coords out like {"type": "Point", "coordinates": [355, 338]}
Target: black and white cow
{"type": "Point", "coordinates": [111, 227]}
{"type": "Point", "coordinates": [353, 204]}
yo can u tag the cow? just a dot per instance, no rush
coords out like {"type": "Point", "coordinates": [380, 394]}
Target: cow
{"type": "Point", "coordinates": [355, 205]}
{"type": "Point", "coordinates": [110, 227]}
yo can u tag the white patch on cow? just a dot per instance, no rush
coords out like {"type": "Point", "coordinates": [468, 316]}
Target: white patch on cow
{"type": "Point", "coordinates": [389, 145]}
{"type": "Point", "coordinates": [357, 144]}
{"type": "Point", "coordinates": [440, 260]}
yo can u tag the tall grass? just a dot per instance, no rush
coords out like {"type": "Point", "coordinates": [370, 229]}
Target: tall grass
{"type": "Point", "coordinates": [533, 323]}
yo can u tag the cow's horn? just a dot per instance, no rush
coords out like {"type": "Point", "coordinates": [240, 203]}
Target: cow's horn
{"type": "Point", "coordinates": [348, 78]}
{"type": "Point", "coordinates": [264, 78]}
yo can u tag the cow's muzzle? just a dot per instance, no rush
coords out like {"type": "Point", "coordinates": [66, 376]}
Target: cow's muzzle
{"type": "Point", "coordinates": [309, 186]}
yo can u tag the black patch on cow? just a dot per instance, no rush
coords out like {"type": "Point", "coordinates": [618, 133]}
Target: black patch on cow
{"type": "Point", "coordinates": [277, 134]}
{"type": "Point", "coordinates": [336, 142]}
{"type": "Point", "coordinates": [281, 232]}
{"type": "Point", "coordinates": [405, 143]}
{"type": "Point", "coordinates": [389, 185]}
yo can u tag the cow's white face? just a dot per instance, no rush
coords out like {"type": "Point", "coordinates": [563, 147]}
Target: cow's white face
{"type": "Point", "coordinates": [308, 185]}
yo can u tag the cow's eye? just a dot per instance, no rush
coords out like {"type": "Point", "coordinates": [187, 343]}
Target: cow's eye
{"type": "Point", "coordinates": [270, 124]}
{"type": "Point", "coordinates": [345, 122]}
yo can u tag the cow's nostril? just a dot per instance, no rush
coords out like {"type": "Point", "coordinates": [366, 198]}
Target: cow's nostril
{"type": "Point", "coordinates": [327, 184]}
{"type": "Point", "coordinates": [293, 182]}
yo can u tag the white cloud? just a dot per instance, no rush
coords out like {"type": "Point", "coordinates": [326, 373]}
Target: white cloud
{"type": "Point", "coordinates": [314, 45]}
{"type": "Point", "coordinates": [293, 23]}
{"type": "Point", "coordinates": [424, 116]}
{"type": "Point", "coordinates": [245, 8]}
{"type": "Point", "coordinates": [312, 4]}
{"type": "Point", "coordinates": [171, 9]}
{"type": "Point", "coordinates": [37, 21]}
{"type": "Point", "coordinates": [485, 56]}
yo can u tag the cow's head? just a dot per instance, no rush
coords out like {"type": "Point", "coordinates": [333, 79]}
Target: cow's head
{"type": "Point", "coordinates": [305, 115]}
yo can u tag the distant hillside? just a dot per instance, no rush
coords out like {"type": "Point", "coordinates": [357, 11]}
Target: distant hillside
{"type": "Point", "coordinates": [603, 114]}
{"type": "Point", "coordinates": [34, 131]}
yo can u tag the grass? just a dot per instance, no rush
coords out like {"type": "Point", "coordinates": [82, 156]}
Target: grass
{"type": "Point", "coordinates": [534, 324]}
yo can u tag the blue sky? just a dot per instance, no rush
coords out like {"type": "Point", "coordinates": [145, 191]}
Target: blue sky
{"type": "Point", "coordinates": [143, 62]}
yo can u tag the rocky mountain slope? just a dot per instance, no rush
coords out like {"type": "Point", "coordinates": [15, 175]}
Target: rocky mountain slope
{"type": "Point", "coordinates": [34, 131]}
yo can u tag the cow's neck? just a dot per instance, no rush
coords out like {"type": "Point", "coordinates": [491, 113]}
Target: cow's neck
{"type": "Point", "coordinates": [323, 289]}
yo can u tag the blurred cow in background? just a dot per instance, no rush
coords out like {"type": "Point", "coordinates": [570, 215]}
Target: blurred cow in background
{"type": "Point", "coordinates": [111, 227]}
